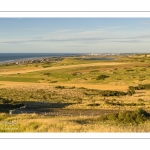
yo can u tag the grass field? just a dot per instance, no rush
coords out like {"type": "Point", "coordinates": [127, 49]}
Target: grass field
{"type": "Point", "coordinates": [36, 123]}
{"type": "Point", "coordinates": [75, 84]}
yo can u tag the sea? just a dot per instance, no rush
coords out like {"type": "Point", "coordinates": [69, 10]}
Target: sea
{"type": "Point", "coordinates": [11, 57]}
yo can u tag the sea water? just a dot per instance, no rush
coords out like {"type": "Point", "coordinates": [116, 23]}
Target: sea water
{"type": "Point", "coordinates": [10, 57]}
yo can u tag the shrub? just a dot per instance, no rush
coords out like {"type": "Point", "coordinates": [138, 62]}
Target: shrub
{"type": "Point", "coordinates": [47, 74]}
{"type": "Point", "coordinates": [45, 66]}
{"type": "Point", "coordinates": [143, 69]}
{"type": "Point", "coordinates": [76, 73]}
{"type": "Point", "coordinates": [112, 116]}
{"type": "Point", "coordinates": [107, 102]}
{"type": "Point", "coordinates": [33, 126]}
{"type": "Point", "coordinates": [102, 77]}
{"type": "Point", "coordinates": [140, 100]}
{"type": "Point", "coordinates": [73, 87]}
{"type": "Point", "coordinates": [130, 92]}
{"type": "Point", "coordinates": [53, 81]}
{"type": "Point", "coordinates": [140, 87]}
{"type": "Point", "coordinates": [141, 79]}
{"type": "Point", "coordinates": [131, 88]}
{"type": "Point", "coordinates": [59, 87]}
{"type": "Point", "coordinates": [94, 71]}
{"type": "Point", "coordinates": [147, 86]}
{"type": "Point", "coordinates": [129, 117]}
{"type": "Point", "coordinates": [81, 88]}
{"type": "Point", "coordinates": [5, 101]}
{"type": "Point", "coordinates": [112, 93]}
{"type": "Point", "coordinates": [95, 104]}
{"type": "Point", "coordinates": [130, 70]}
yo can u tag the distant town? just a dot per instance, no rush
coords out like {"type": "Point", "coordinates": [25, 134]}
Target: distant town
{"type": "Point", "coordinates": [37, 60]}
{"type": "Point", "coordinates": [56, 59]}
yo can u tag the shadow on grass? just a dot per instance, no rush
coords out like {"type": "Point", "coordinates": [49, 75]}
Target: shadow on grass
{"type": "Point", "coordinates": [33, 104]}
{"type": "Point", "coordinates": [33, 107]}
{"type": "Point", "coordinates": [6, 107]}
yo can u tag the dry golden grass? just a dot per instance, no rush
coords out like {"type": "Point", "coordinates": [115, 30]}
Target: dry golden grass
{"type": "Point", "coordinates": [39, 123]}
{"type": "Point", "coordinates": [36, 123]}
{"type": "Point", "coordinates": [7, 84]}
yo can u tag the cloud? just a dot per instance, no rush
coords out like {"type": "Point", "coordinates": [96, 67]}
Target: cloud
{"type": "Point", "coordinates": [83, 36]}
{"type": "Point", "coordinates": [80, 40]}
{"type": "Point", "coordinates": [52, 40]}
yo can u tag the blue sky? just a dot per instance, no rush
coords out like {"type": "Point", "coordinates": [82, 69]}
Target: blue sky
{"type": "Point", "coordinates": [74, 35]}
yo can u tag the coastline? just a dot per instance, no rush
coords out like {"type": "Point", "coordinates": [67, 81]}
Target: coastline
{"type": "Point", "coordinates": [39, 57]}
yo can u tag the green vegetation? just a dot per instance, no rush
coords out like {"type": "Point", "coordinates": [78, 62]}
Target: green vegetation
{"type": "Point", "coordinates": [102, 77]}
{"type": "Point", "coordinates": [95, 104]}
{"type": "Point", "coordinates": [78, 84]}
{"type": "Point", "coordinates": [112, 93]}
{"type": "Point", "coordinates": [19, 79]}
{"type": "Point", "coordinates": [128, 117]}
{"type": "Point", "coordinates": [59, 87]}
{"type": "Point", "coordinates": [112, 103]}
{"type": "Point", "coordinates": [122, 118]}
{"type": "Point", "coordinates": [140, 87]}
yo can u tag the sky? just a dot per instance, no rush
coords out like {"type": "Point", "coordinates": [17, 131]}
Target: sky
{"type": "Point", "coordinates": [74, 35]}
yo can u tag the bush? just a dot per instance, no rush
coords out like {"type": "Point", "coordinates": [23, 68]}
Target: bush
{"type": "Point", "coordinates": [47, 74]}
{"type": "Point", "coordinates": [95, 104]}
{"type": "Point", "coordinates": [143, 69]}
{"type": "Point", "coordinates": [112, 93]}
{"type": "Point", "coordinates": [76, 73]}
{"type": "Point", "coordinates": [147, 86]}
{"type": "Point", "coordinates": [107, 102]}
{"type": "Point", "coordinates": [5, 101]}
{"type": "Point", "coordinates": [140, 100]}
{"type": "Point", "coordinates": [140, 87]}
{"type": "Point", "coordinates": [94, 71]}
{"type": "Point", "coordinates": [82, 88]}
{"type": "Point", "coordinates": [73, 87]}
{"type": "Point", "coordinates": [130, 70]}
{"type": "Point", "coordinates": [131, 88]}
{"type": "Point", "coordinates": [129, 117]}
{"type": "Point", "coordinates": [112, 116]}
{"type": "Point", "coordinates": [102, 77]}
{"type": "Point", "coordinates": [130, 92]}
{"type": "Point", "coordinates": [60, 87]}
{"type": "Point", "coordinates": [53, 81]}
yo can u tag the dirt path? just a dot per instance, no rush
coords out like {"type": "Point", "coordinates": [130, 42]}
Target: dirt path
{"type": "Point", "coordinates": [61, 67]}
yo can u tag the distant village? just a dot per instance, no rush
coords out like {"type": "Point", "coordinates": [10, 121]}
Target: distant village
{"type": "Point", "coordinates": [56, 59]}
{"type": "Point", "coordinates": [112, 54]}
{"type": "Point", "coordinates": [35, 60]}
